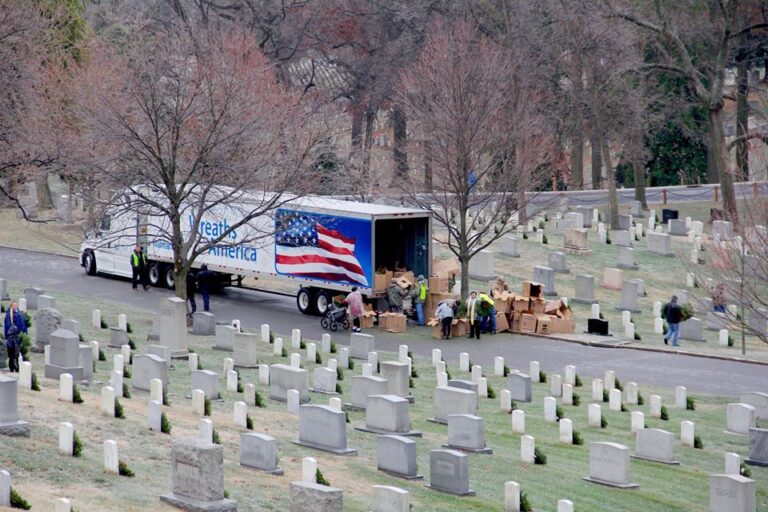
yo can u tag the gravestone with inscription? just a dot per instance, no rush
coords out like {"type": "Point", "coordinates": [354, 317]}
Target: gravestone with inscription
{"type": "Point", "coordinates": [173, 326]}
{"type": "Point", "coordinates": [312, 497]}
{"type": "Point", "coordinates": [259, 451]}
{"type": "Point", "coordinates": [147, 367]}
{"type": "Point", "coordinates": [449, 472]}
{"type": "Point", "coordinates": [758, 447]}
{"type": "Point", "coordinates": [609, 465]}
{"type": "Point", "coordinates": [9, 409]}
{"type": "Point", "coordinates": [46, 321]}
{"type": "Point", "coordinates": [731, 493]}
{"type": "Point", "coordinates": [655, 445]}
{"type": "Point", "coordinates": [198, 477]}
{"type": "Point", "coordinates": [324, 428]}
{"type": "Point", "coordinates": [396, 456]}
{"type": "Point", "coordinates": [64, 355]}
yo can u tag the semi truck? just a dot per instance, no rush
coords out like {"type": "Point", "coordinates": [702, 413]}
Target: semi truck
{"type": "Point", "coordinates": [319, 245]}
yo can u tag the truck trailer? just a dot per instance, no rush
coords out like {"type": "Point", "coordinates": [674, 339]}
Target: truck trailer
{"type": "Point", "coordinates": [321, 245]}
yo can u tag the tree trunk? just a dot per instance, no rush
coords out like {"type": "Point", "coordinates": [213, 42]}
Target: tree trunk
{"type": "Point", "coordinates": [639, 171]}
{"type": "Point", "coordinates": [400, 140]}
{"type": "Point", "coordinates": [370, 116]}
{"type": "Point", "coordinates": [742, 117]}
{"type": "Point", "coordinates": [713, 167]}
{"type": "Point", "coordinates": [464, 261]}
{"type": "Point", "coordinates": [44, 198]}
{"type": "Point", "coordinates": [610, 177]}
{"type": "Point", "coordinates": [180, 264]}
{"type": "Point", "coordinates": [577, 160]}
{"type": "Point", "coordinates": [427, 165]}
{"type": "Point", "coordinates": [717, 147]}
{"type": "Point", "coordinates": [577, 136]}
{"type": "Point", "coordinates": [357, 133]}
{"type": "Point", "coordinates": [597, 161]}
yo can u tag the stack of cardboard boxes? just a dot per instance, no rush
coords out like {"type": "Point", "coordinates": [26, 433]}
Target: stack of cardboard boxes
{"type": "Point", "coordinates": [531, 313]}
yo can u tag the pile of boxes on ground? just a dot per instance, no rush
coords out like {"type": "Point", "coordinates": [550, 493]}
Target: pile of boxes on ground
{"type": "Point", "coordinates": [390, 322]}
{"type": "Point", "coordinates": [531, 313]}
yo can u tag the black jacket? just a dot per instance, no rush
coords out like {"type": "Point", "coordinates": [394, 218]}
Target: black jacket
{"type": "Point", "coordinates": [205, 280]}
{"type": "Point", "coordinates": [673, 313]}
{"type": "Point", "coordinates": [191, 283]}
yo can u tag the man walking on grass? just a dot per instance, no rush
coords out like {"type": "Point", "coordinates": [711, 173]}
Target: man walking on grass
{"type": "Point", "coordinates": [673, 313]}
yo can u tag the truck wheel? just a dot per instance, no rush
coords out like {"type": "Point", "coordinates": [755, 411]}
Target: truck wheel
{"type": "Point", "coordinates": [168, 278]}
{"type": "Point", "coordinates": [305, 301]}
{"type": "Point", "coordinates": [89, 261]}
{"type": "Point", "coordinates": [322, 301]}
{"type": "Point", "coordinates": [154, 274]}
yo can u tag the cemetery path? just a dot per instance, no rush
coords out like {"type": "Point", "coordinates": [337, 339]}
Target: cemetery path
{"type": "Point", "coordinates": [698, 374]}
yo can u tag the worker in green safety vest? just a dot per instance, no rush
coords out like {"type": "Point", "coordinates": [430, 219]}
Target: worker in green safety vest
{"type": "Point", "coordinates": [138, 268]}
{"type": "Point", "coordinates": [421, 298]}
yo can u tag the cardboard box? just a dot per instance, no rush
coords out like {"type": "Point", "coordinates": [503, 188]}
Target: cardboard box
{"type": "Point", "coordinates": [446, 268]}
{"type": "Point", "coordinates": [503, 302]}
{"type": "Point", "coordinates": [366, 322]}
{"type": "Point", "coordinates": [543, 324]}
{"type": "Point", "coordinates": [521, 304]}
{"type": "Point", "coordinates": [381, 280]}
{"type": "Point", "coordinates": [562, 325]}
{"type": "Point", "coordinates": [551, 307]}
{"type": "Point", "coordinates": [395, 323]}
{"type": "Point", "coordinates": [437, 331]}
{"type": "Point", "coordinates": [460, 327]}
{"type": "Point", "coordinates": [538, 306]}
{"type": "Point", "coordinates": [502, 325]}
{"type": "Point", "coordinates": [533, 289]}
{"type": "Point", "coordinates": [404, 282]}
{"type": "Point", "coordinates": [514, 322]}
{"type": "Point", "coordinates": [439, 284]}
{"type": "Point", "coordinates": [527, 323]}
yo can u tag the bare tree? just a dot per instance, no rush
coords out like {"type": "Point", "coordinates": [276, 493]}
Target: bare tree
{"type": "Point", "coordinates": [695, 40]}
{"type": "Point", "coordinates": [190, 127]}
{"type": "Point", "coordinates": [487, 142]}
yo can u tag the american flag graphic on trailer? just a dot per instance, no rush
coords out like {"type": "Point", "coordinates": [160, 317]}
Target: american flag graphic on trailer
{"type": "Point", "coordinates": [306, 248]}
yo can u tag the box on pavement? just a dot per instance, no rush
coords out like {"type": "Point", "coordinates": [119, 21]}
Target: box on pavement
{"type": "Point", "coordinates": [502, 324]}
{"type": "Point", "coordinates": [521, 304]}
{"type": "Point", "coordinates": [538, 306]}
{"type": "Point", "coordinates": [527, 323]}
{"type": "Point", "coordinates": [562, 325]}
{"type": "Point", "coordinates": [460, 327]}
{"type": "Point", "coordinates": [533, 289]}
{"type": "Point", "coordinates": [514, 322]}
{"type": "Point", "coordinates": [392, 322]}
{"type": "Point", "coordinates": [439, 284]}
{"type": "Point", "coordinates": [543, 323]}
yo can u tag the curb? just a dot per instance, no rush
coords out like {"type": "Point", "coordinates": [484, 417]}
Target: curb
{"type": "Point", "coordinates": [39, 251]}
{"type": "Point", "coordinates": [628, 346]}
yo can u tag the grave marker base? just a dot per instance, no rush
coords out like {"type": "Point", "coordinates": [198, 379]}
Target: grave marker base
{"type": "Point", "coordinates": [274, 472]}
{"type": "Point", "coordinates": [324, 392]}
{"type": "Point", "coordinates": [337, 451]}
{"type": "Point", "coordinates": [193, 505]}
{"type": "Point", "coordinates": [378, 431]}
{"type": "Point", "coordinates": [483, 451]}
{"type": "Point", "coordinates": [15, 429]}
{"type": "Point", "coordinates": [583, 301]}
{"type": "Point", "coordinates": [630, 485]}
{"type": "Point", "coordinates": [753, 462]}
{"type": "Point", "coordinates": [668, 462]}
{"type": "Point", "coordinates": [404, 477]}
{"type": "Point", "coordinates": [450, 491]}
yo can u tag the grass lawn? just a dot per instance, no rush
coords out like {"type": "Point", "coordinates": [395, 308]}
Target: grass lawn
{"type": "Point", "coordinates": [41, 475]}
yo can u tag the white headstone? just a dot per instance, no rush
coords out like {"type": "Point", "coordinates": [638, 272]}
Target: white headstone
{"type": "Point", "coordinates": [264, 374]}
{"type": "Point", "coordinates": [518, 421]}
{"type": "Point", "coordinates": [637, 422]}
{"type": "Point", "coordinates": [437, 356]}
{"type": "Point", "coordinates": [597, 390]}
{"type": "Point", "coordinates": [193, 361]}
{"type": "Point", "coordinates": [594, 415]}
{"type": "Point", "coordinates": [463, 362]}
{"type": "Point", "coordinates": [687, 433]}
{"type": "Point", "coordinates": [566, 431]}
{"type": "Point", "coordinates": [108, 401]}
{"type": "Point", "coordinates": [66, 390]}
{"type": "Point", "coordinates": [655, 406]}
{"type": "Point", "coordinates": [66, 438]}
{"type": "Point", "coordinates": [309, 470]}
{"type": "Point", "coordinates": [156, 390]}
{"type": "Point", "coordinates": [205, 430]}
{"type": "Point", "coordinates": [198, 402]}
{"type": "Point", "coordinates": [681, 397]}
{"type": "Point", "coordinates": [232, 381]}
{"type": "Point", "coordinates": [292, 399]}
{"type": "Point", "coordinates": [111, 460]}
{"type": "Point", "coordinates": [511, 497]}
{"type": "Point", "coordinates": [527, 449]}
{"type": "Point", "coordinates": [277, 347]}
{"type": "Point", "coordinates": [96, 319]}
{"type": "Point", "coordinates": [240, 414]}
{"type": "Point", "coordinates": [296, 338]}
{"type": "Point", "coordinates": [534, 371]}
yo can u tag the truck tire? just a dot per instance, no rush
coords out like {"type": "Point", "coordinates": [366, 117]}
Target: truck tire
{"type": "Point", "coordinates": [305, 301]}
{"type": "Point", "coordinates": [168, 277]}
{"type": "Point", "coordinates": [322, 301]}
{"type": "Point", "coordinates": [89, 262]}
{"type": "Point", "coordinates": [154, 273]}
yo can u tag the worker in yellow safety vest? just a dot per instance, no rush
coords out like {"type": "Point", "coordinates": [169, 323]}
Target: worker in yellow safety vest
{"type": "Point", "coordinates": [421, 298]}
{"type": "Point", "coordinates": [138, 268]}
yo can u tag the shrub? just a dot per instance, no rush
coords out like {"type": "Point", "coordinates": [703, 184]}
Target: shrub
{"type": "Point", "coordinates": [302, 345]}
{"type": "Point", "coordinates": [26, 344]}
{"type": "Point", "coordinates": [338, 388]}
{"type": "Point", "coordinates": [577, 439]}
{"type": "Point", "coordinates": [126, 390]}
{"type": "Point", "coordinates": [127, 372]}
{"type": "Point", "coordinates": [491, 392]}
{"type": "Point", "coordinates": [166, 402]}
{"type": "Point", "coordinates": [640, 399]}
{"type": "Point", "coordinates": [27, 319]}
{"type": "Point", "coordinates": [76, 397]}
{"type": "Point", "coordinates": [697, 442]}
{"type": "Point", "coordinates": [199, 364]}
{"type": "Point", "coordinates": [284, 353]}
{"type": "Point", "coordinates": [686, 312]}
{"type": "Point", "coordinates": [414, 373]}
{"type": "Point", "coordinates": [207, 407]}
{"type": "Point", "coordinates": [248, 422]}
{"type": "Point", "coordinates": [623, 407]}
{"type": "Point", "coordinates": [576, 400]}
{"type": "Point", "coordinates": [77, 445]}
{"type": "Point", "coordinates": [664, 413]}
{"type": "Point", "coordinates": [544, 239]}
{"type": "Point", "coordinates": [525, 235]}
{"type": "Point", "coordinates": [239, 385]}
{"type": "Point", "coordinates": [102, 355]}
{"type": "Point", "coordinates": [542, 376]}
{"type": "Point", "coordinates": [617, 385]}
{"type": "Point", "coordinates": [577, 382]}
{"type": "Point", "coordinates": [18, 501]}
{"type": "Point", "coordinates": [271, 337]}
{"type": "Point", "coordinates": [321, 478]}
{"type": "Point", "coordinates": [339, 373]}
{"type": "Point", "coordinates": [665, 328]}
{"type": "Point", "coordinates": [124, 470]}
{"type": "Point", "coordinates": [259, 400]}
{"type": "Point", "coordinates": [506, 371]}
{"type": "Point", "coordinates": [131, 343]}
{"type": "Point", "coordinates": [119, 410]}
{"type": "Point", "coordinates": [128, 328]}
{"type": "Point", "coordinates": [745, 471]}
{"type": "Point", "coordinates": [216, 437]}
{"type": "Point", "coordinates": [80, 338]}
{"type": "Point", "coordinates": [318, 358]}
{"type": "Point", "coordinates": [638, 337]}
{"type": "Point", "coordinates": [410, 382]}
{"type": "Point", "coordinates": [525, 503]}
{"type": "Point", "coordinates": [165, 424]}
{"type": "Point", "coordinates": [559, 413]}
{"type": "Point", "coordinates": [514, 405]}
{"type": "Point", "coordinates": [602, 317]}
{"type": "Point", "coordinates": [539, 457]}
{"type": "Point", "coordinates": [605, 395]}
{"type": "Point", "coordinates": [351, 364]}
{"type": "Point", "coordinates": [541, 224]}
{"type": "Point", "coordinates": [104, 324]}
{"type": "Point", "coordinates": [730, 340]}
{"type": "Point", "coordinates": [35, 382]}
{"type": "Point", "coordinates": [334, 349]}
{"type": "Point", "coordinates": [603, 421]}
{"type": "Point", "coordinates": [690, 404]}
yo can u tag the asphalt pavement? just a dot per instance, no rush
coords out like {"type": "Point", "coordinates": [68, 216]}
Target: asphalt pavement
{"type": "Point", "coordinates": [700, 375]}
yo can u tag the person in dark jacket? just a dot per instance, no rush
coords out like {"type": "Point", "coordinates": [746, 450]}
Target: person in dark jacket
{"type": "Point", "coordinates": [15, 325]}
{"type": "Point", "coordinates": [673, 313]}
{"type": "Point", "coordinates": [205, 282]}
{"type": "Point", "coordinates": [143, 269]}
{"type": "Point", "coordinates": [191, 289]}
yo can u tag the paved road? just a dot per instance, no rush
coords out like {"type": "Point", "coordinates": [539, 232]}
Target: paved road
{"type": "Point", "coordinates": [58, 273]}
